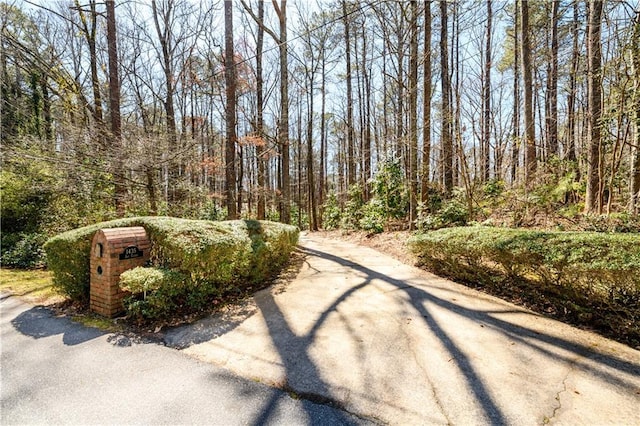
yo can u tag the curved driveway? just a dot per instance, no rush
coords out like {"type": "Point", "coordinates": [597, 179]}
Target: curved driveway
{"type": "Point", "coordinates": [356, 337]}
{"type": "Point", "coordinates": [398, 345]}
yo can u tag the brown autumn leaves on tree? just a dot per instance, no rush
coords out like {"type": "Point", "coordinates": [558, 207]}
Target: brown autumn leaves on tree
{"type": "Point", "coordinates": [188, 109]}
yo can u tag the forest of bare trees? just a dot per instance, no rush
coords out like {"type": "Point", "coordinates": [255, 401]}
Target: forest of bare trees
{"type": "Point", "coordinates": [371, 114]}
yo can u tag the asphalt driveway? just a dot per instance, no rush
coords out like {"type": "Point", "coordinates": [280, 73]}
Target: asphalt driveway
{"type": "Point", "coordinates": [55, 371]}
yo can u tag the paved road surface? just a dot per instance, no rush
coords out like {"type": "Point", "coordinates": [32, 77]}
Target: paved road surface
{"type": "Point", "coordinates": [355, 330]}
{"type": "Point", "coordinates": [397, 345]}
{"type": "Point", "coordinates": [55, 371]}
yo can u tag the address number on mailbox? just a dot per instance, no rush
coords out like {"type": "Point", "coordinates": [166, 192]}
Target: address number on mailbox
{"type": "Point", "coordinates": [130, 252]}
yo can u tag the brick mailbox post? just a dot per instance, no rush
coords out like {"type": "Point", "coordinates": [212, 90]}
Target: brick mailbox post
{"type": "Point", "coordinates": [114, 251]}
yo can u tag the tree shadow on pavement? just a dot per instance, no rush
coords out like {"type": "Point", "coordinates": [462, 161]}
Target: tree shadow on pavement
{"type": "Point", "coordinates": [209, 328]}
{"type": "Point", "coordinates": [302, 373]}
{"type": "Point", "coordinates": [39, 322]}
{"type": "Point", "coordinates": [303, 378]}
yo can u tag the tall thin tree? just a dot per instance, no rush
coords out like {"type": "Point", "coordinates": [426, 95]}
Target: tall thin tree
{"type": "Point", "coordinates": [515, 139]}
{"type": "Point", "coordinates": [447, 115]}
{"type": "Point", "coordinates": [426, 105]}
{"type": "Point", "coordinates": [260, 147]}
{"type": "Point", "coordinates": [413, 116]}
{"type": "Point", "coordinates": [570, 144]}
{"type": "Point", "coordinates": [486, 101]}
{"type": "Point", "coordinates": [351, 160]}
{"type": "Point", "coordinates": [529, 129]}
{"type": "Point", "coordinates": [114, 107]}
{"type": "Point", "coordinates": [593, 199]}
{"type": "Point", "coordinates": [163, 21]}
{"type": "Point", "coordinates": [634, 179]}
{"type": "Point", "coordinates": [552, 83]}
{"type": "Point", "coordinates": [230, 111]}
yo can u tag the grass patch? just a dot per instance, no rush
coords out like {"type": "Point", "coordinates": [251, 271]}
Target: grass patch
{"type": "Point", "coordinates": [96, 321]}
{"type": "Point", "coordinates": [35, 286]}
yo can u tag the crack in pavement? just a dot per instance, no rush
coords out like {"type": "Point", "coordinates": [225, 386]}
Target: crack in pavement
{"type": "Point", "coordinates": [434, 392]}
{"type": "Point", "coordinates": [572, 365]}
{"type": "Point", "coordinates": [320, 399]}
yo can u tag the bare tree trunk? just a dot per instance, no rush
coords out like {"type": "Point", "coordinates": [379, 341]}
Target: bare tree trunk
{"type": "Point", "coordinates": [366, 136]}
{"type": "Point", "coordinates": [298, 164]}
{"type": "Point", "coordinates": [351, 161]}
{"type": "Point", "coordinates": [426, 105]}
{"type": "Point", "coordinates": [552, 84]}
{"type": "Point", "coordinates": [284, 176]}
{"type": "Point", "coordinates": [634, 178]}
{"type": "Point", "coordinates": [413, 117]}
{"type": "Point", "coordinates": [447, 137]}
{"type": "Point", "coordinates": [230, 112]}
{"type": "Point", "coordinates": [385, 106]}
{"type": "Point", "coordinates": [313, 221]}
{"type": "Point", "coordinates": [323, 140]}
{"type": "Point", "coordinates": [89, 28]}
{"type": "Point", "coordinates": [571, 102]}
{"type": "Point", "coordinates": [283, 131]}
{"type": "Point", "coordinates": [151, 190]}
{"type": "Point", "coordinates": [165, 38]}
{"type": "Point", "coordinates": [260, 148]}
{"type": "Point", "coordinates": [120, 191]}
{"type": "Point", "coordinates": [399, 140]}
{"type": "Point", "coordinates": [529, 125]}
{"type": "Point", "coordinates": [486, 98]}
{"type": "Point", "coordinates": [593, 201]}
{"type": "Point", "coordinates": [515, 152]}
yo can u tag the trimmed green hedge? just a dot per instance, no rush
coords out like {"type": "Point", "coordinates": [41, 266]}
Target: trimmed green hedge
{"type": "Point", "coordinates": [590, 277]}
{"type": "Point", "coordinates": [212, 255]}
{"type": "Point", "coordinates": [155, 292]}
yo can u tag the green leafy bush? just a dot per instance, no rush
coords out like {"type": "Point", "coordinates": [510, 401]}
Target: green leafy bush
{"type": "Point", "coordinates": [388, 186]}
{"type": "Point", "coordinates": [68, 257]}
{"type": "Point", "coordinates": [352, 212]}
{"type": "Point", "coordinates": [155, 292]}
{"type": "Point", "coordinates": [493, 188]}
{"type": "Point", "coordinates": [617, 222]}
{"type": "Point", "coordinates": [23, 250]}
{"type": "Point", "coordinates": [452, 212]}
{"type": "Point", "coordinates": [590, 277]}
{"type": "Point", "coordinates": [373, 216]}
{"type": "Point", "coordinates": [331, 215]}
{"type": "Point", "coordinates": [215, 256]}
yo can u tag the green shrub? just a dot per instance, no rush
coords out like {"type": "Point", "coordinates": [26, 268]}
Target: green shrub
{"type": "Point", "coordinates": [271, 244]}
{"type": "Point", "coordinates": [155, 292]}
{"type": "Point", "coordinates": [352, 212]}
{"type": "Point", "coordinates": [592, 276]}
{"type": "Point", "coordinates": [452, 213]}
{"type": "Point", "coordinates": [373, 216]}
{"type": "Point", "coordinates": [210, 253]}
{"type": "Point", "coordinates": [493, 188]}
{"type": "Point", "coordinates": [388, 186]}
{"type": "Point", "coordinates": [68, 257]}
{"type": "Point", "coordinates": [214, 256]}
{"type": "Point", "coordinates": [617, 222]}
{"type": "Point", "coordinates": [23, 250]}
{"type": "Point", "coordinates": [331, 215]}
{"type": "Point", "coordinates": [27, 189]}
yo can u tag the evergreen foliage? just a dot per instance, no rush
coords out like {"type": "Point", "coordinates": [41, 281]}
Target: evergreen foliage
{"type": "Point", "coordinates": [590, 277]}
{"type": "Point", "coordinates": [214, 256]}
